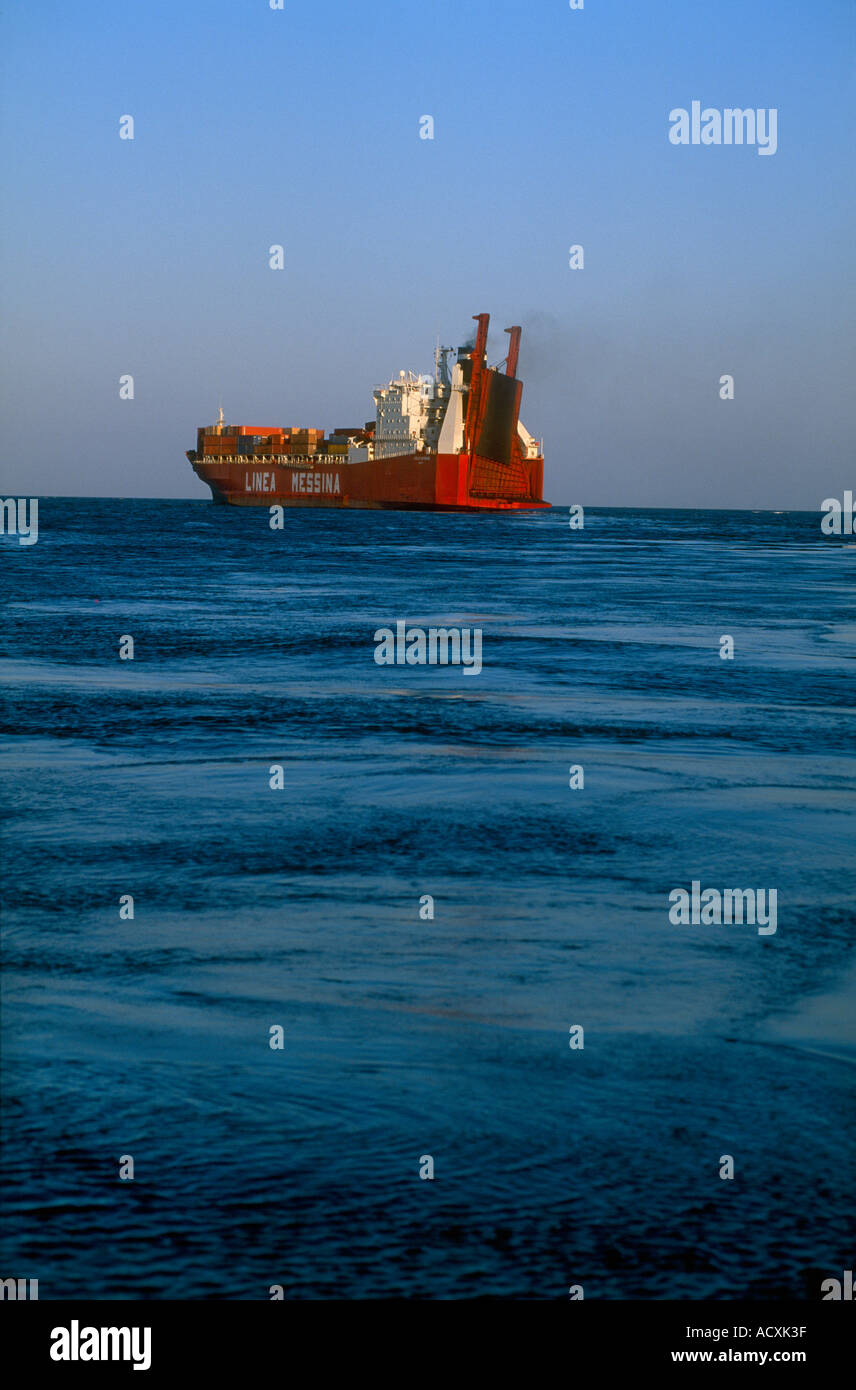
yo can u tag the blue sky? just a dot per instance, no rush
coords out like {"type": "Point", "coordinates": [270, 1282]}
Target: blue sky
{"type": "Point", "coordinates": [301, 127]}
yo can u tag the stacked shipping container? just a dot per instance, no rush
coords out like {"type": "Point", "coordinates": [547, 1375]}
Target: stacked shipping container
{"type": "Point", "coordinates": [215, 441]}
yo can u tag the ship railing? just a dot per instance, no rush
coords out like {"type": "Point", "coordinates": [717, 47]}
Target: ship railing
{"type": "Point", "coordinates": [301, 460]}
{"type": "Point", "coordinates": [288, 460]}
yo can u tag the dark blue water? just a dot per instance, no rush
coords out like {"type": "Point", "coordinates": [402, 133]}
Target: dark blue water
{"type": "Point", "coordinates": [300, 907]}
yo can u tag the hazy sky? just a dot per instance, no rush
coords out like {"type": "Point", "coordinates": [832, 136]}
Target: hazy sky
{"type": "Point", "coordinates": [301, 127]}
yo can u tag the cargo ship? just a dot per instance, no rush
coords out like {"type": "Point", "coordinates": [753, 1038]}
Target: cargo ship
{"type": "Point", "coordinates": [449, 442]}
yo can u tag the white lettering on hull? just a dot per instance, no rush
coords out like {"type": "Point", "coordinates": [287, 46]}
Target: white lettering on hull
{"type": "Point", "coordinates": [300, 482]}
{"type": "Point", "coordinates": [259, 482]}
{"type": "Point", "coordinates": [315, 482]}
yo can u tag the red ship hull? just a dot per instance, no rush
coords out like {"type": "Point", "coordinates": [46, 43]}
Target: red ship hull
{"type": "Point", "coordinates": [427, 482]}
